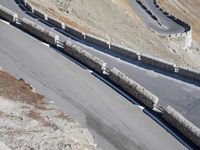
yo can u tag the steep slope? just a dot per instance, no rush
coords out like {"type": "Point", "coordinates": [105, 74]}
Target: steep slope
{"type": "Point", "coordinates": [116, 21]}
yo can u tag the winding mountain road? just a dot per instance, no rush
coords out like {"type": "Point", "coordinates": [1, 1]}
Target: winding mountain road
{"type": "Point", "coordinates": [115, 122]}
{"type": "Point", "coordinates": [168, 25]}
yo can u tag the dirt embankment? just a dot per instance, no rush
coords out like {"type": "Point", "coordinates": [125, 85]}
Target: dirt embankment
{"type": "Point", "coordinates": [28, 121]}
{"type": "Point", "coordinates": [115, 20]}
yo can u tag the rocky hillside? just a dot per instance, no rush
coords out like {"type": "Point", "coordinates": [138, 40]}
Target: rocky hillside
{"type": "Point", "coordinates": [28, 121]}
{"type": "Point", "coordinates": [116, 21]}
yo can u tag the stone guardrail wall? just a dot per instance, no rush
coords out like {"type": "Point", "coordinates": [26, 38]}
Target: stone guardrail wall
{"type": "Point", "coordinates": [177, 20]}
{"type": "Point", "coordinates": [39, 31]}
{"type": "Point", "coordinates": [40, 14]}
{"type": "Point", "coordinates": [85, 57]}
{"type": "Point", "coordinates": [189, 73]}
{"type": "Point", "coordinates": [133, 88]}
{"type": "Point", "coordinates": [55, 22]}
{"type": "Point", "coordinates": [149, 12]}
{"type": "Point", "coordinates": [150, 100]}
{"type": "Point", "coordinates": [127, 52]}
{"type": "Point", "coordinates": [162, 64]}
{"type": "Point", "coordinates": [188, 29]}
{"type": "Point", "coordinates": [75, 32]}
{"type": "Point", "coordinates": [7, 14]}
{"type": "Point", "coordinates": [29, 6]}
{"type": "Point", "coordinates": [183, 125]}
{"type": "Point", "coordinates": [158, 63]}
{"type": "Point", "coordinates": [97, 41]}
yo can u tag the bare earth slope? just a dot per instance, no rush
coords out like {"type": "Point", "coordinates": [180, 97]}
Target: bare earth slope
{"type": "Point", "coordinates": [115, 20]}
{"type": "Point", "coordinates": [28, 122]}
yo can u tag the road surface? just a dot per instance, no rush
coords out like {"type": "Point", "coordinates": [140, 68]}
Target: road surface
{"type": "Point", "coordinates": [115, 122]}
{"type": "Point", "coordinates": [169, 26]}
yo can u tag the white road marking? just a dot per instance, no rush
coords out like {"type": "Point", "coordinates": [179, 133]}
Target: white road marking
{"type": "Point", "coordinates": [120, 91]}
{"type": "Point", "coordinates": [6, 22]}
{"type": "Point", "coordinates": [48, 45]}
{"type": "Point", "coordinates": [90, 71]}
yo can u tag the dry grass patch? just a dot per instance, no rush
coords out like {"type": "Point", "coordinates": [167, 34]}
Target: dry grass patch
{"type": "Point", "coordinates": [18, 90]}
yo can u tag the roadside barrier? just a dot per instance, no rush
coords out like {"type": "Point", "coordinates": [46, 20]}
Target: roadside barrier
{"type": "Point", "coordinates": [39, 31]}
{"type": "Point", "coordinates": [75, 32]}
{"type": "Point", "coordinates": [7, 14]}
{"type": "Point", "coordinates": [129, 85]}
{"type": "Point", "coordinates": [30, 7]}
{"type": "Point", "coordinates": [56, 22]}
{"type": "Point", "coordinates": [189, 73]}
{"type": "Point", "coordinates": [183, 125]}
{"type": "Point", "coordinates": [124, 51]}
{"type": "Point", "coordinates": [96, 41]}
{"type": "Point", "coordinates": [130, 53]}
{"type": "Point", "coordinates": [40, 14]}
{"type": "Point", "coordinates": [133, 88]}
{"type": "Point", "coordinates": [85, 57]}
{"type": "Point", "coordinates": [158, 63]}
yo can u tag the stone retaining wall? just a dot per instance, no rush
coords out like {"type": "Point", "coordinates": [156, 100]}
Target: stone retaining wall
{"type": "Point", "coordinates": [40, 14]}
{"type": "Point", "coordinates": [189, 73]}
{"type": "Point", "coordinates": [133, 88]}
{"type": "Point", "coordinates": [56, 22]}
{"type": "Point", "coordinates": [7, 14]}
{"type": "Point", "coordinates": [182, 124]}
{"type": "Point", "coordinates": [29, 6]}
{"type": "Point", "coordinates": [96, 41]}
{"type": "Point", "coordinates": [39, 31]}
{"type": "Point", "coordinates": [124, 51]}
{"type": "Point", "coordinates": [158, 63]}
{"type": "Point", "coordinates": [84, 57]}
{"type": "Point", "coordinates": [75, 32]}
{"type": "Point", "coordinates": [188, 29]}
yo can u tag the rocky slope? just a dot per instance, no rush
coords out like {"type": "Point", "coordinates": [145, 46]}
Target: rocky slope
{"type": "Point", "coordinates": [28, 121]}
{"type": "Point", "coordinates": [116, 21]}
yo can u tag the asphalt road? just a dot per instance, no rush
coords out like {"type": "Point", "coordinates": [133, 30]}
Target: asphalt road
{"type": "Point", "coordinates": [115, 122]}
{"type": "Point", "coordinates": [169, 26]}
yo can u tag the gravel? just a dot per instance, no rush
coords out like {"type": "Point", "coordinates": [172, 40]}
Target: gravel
{"type": "Point", "coordinates": [28, 121]}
